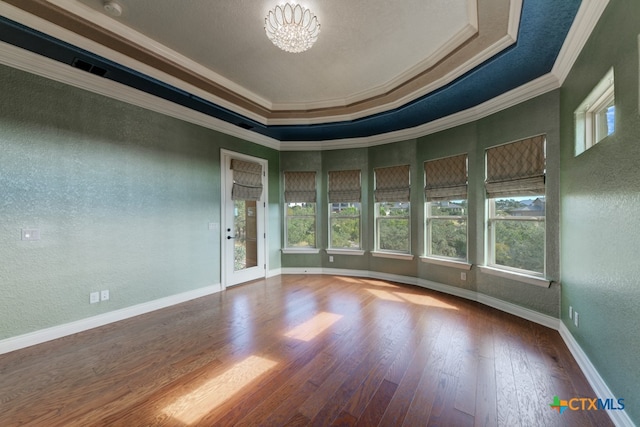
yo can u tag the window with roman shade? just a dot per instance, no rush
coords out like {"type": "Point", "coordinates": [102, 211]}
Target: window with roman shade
{"type": "Point", "coordinates": [446, 207]}
{"type": "Point", "coordinates": [247, 180]}
{"type": "Point", "coordinates": [344, 194]}
{"type": "Point", "coordinates": [517, 168]}
{"type": "Point", "coordinates": [300, 187]}
{"type": "Point", "coordinates": [446, 179]}
{"type": "Point", "coordinates": [515, 187]}
{"type": "Point", "coordinates": [392, 184]}
{"type": "Point", "coordinates": [300, 209]}
{"type": "Point", "coordinates": [344, 186]}
{"type": "Point", "coordinates": [392, 209]}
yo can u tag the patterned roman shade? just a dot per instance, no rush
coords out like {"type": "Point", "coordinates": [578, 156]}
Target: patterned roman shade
{"type": "Point", "coordinates": [392, 184]}
{"type": "Point", "coordinates": [446, 179]}
{"type": "Point", "coordinates": [344, 186]}
{"type": "Point", "coordinates": [300, 187]}
{"type": "Point", "coordinates": [247, 180]}
{"type": "Point", "coordinates": [516, 169]}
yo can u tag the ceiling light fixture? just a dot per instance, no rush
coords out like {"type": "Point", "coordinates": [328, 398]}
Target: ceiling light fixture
{"type": "Point", "coordinates": [292, 28]}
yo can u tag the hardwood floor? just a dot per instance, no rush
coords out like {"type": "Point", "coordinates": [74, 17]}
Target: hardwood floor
{"type": "Point", "coordinates": [301, 350]}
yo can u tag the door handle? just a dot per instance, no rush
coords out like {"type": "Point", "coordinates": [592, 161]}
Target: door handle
{"type": "Point", "coordinates": [231, 237]}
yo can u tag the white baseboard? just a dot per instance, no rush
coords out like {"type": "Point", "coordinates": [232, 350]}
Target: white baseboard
{"type": "Point", "coordinates": [619, 418]}
{"type": "Point", "coordinates": [274, 272]}
{"type": "Point", "coordinates": [55, 332]}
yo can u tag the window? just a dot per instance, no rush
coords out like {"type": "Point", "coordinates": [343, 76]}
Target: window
{"type": "Point", "coordinates": [446, 207]}
{"type": "Point", "coordinates": [515, 186]}
{"type": "Point", "coordinates": [344, 209]}
{"type": "Point", "coordinates": [392, 209]}
{"type": "Point", "coordinates": [300, 209]}
{"type": "Point", "coordinates": [595, 117]}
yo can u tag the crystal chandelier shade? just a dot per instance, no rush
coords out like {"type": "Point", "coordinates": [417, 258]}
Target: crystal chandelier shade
{"type": "Point", "coordinates": [292, 28]}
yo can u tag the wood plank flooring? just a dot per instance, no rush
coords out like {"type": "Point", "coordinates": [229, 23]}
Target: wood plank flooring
{"type": "Point", "coordinates": [299, 350]}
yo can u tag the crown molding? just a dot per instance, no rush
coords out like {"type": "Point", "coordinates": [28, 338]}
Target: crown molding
{"type": "Point", "coordinates": [85, 12]}
{"type": "Point", "coordinates": [586, 19]}
{"type": "Point", "coordinates": [535, 88]}
{"type": "Point", "coordinates": [18, 15]}
{"type": "Point", "coordinates": [33, 63]}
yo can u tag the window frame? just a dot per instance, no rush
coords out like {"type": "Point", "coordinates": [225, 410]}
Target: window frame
{"type": "Point", "coordinates": [287, 217]}
{"type": "Point", "coordinates": [378, 218]}
{"type": "Point", "coordinates": [429, 218]}
{"type": "Point", "coordinates": [331, 218]}
{"type": "Point", "coordinates": [588, 115]}
{"type": "Point", "coordinates": [492, 219]}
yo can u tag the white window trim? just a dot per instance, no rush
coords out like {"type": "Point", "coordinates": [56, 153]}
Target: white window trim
{"type": "Point", "coordinates": [345, 251]}
{"type": "Point", "coordinates": [447, 262]}
{"type": "Point", "coordinates": [428, 240]}
{"type": "Point", "coordinates": [585, 114]}
{"type": "Point", "coordinates": [286, 229]}
{"type": "Point", "coordinates": [514, 275]}
{"type": "Point", "coordinates": [491, 243]}
{"type": "Point", "coordinates": [300, 251]}
{"type": "Point", "coordinates": [329, 231]}
{"type": "Point", "coordinates": [393, 255]}
{"type": "Point", "coordinates": [376, 236]}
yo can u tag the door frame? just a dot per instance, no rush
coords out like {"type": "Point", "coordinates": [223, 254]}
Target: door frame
{"type": "Point", "coordinates": [225, 156]}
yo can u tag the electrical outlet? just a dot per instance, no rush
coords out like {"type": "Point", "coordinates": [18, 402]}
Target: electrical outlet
{"type": "Point", "coordinates": [570, 312]}
{"type": "Point", "coordinates": [575, 318]}
{"type": "Point", "coordinates": [463, 276]}
{"type": "Point", "coordinates": [104, 295]}
{"type": "Point", "coordinates": [30, 234]}
{"type": "Point", "coordinates": [331, 258]}
{"type": "Point", "coordinates": [94, 297]}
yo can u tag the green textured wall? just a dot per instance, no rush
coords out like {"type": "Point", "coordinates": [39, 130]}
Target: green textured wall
{"type": "Point", "coordinates": [122, 197]}
{"type": "Point", "coordinates": [600, 203]}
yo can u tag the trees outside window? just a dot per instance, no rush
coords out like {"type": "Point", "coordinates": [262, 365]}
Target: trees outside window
{"type": "Point", "coordinates": [447, 229]}
{"type": "Point", "coordinates": [517, 232]}
{"type": "Point", "coordinates": [301, 225]}
{"type": "Point", "coordinates": [393, 226]}
{"type": "Point", "coordinates": [344, 229]}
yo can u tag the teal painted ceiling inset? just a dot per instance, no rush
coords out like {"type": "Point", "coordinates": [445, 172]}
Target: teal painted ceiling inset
{"type": "Point", "coordinates": [544, 25]}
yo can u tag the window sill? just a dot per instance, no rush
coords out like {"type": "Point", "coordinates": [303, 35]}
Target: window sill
{"type": "Point", "coordinates": [446, 262]}
{"type": "Point", "coordinates": [406, 257]}
{"type": "Point", "coordinates": [520, 277]}
{"type": "Point", "coordinates": [300, 251]}
{"type": "Point", "coordinates": [345, 251]}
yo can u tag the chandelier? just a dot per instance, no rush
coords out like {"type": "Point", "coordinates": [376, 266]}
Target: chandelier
{"type": "Point", "coordinates": [292, 28]}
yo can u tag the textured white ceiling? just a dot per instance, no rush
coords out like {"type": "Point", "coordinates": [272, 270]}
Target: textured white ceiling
{"type": "Point", "coordinates": [364, 45]}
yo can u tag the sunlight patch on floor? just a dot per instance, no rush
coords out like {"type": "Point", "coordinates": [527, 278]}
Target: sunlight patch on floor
{"type": "Point", "coordinates": [314, 326]}
{"type": "Point", "coordinates": [194, 405]}
{"type": "Point", "coordinates": [425, 300]}
{"type": "Point", "coordinates": [386, 295]}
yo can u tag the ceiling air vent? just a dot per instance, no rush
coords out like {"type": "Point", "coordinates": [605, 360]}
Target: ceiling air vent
{"type": "Point", "coordinates": [244, 125]}
{"type": "Point", "coordinates": [86, 66]}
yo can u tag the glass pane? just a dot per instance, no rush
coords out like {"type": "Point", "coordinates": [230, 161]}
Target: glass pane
{"type": "Point", "coordinates": [393, 209]}
{"type": "Point", "coordinates": [246, 234]}
{"type": "Point", "coordinates": [393, 234]}
{"type": "Point", "coordinates": [301, 232]}
{"type": "Point", "coordinates": [520, 244]}
{"type": "Point", "coordinates": [448, 208]}
{"type": "Point", "coordinates": [345, 225]}
{"type": "Point", "coordinates": [605, 121]}
{"type": "Point", "coordinates": [520, 206]}
{"type": "Point", "coordinates": [449, 238]}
